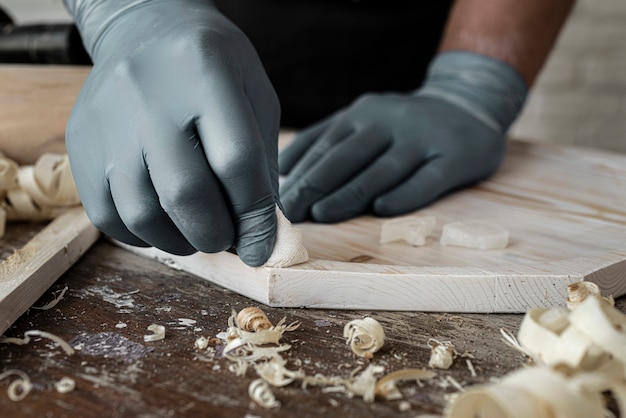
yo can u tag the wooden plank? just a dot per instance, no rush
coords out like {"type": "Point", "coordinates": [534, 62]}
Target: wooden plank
{"type": "Point", "coordinates": [31, 270]}
{"type": "Point", "coordinates": [564, 207]}
{"type": "Point", "coordinates": [114, 296]}
{"type": "Point", "coordinates": [35, 103]}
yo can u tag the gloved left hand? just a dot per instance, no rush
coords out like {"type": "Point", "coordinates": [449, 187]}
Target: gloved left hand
{"type": "Point", "coordinates": [394, 153]}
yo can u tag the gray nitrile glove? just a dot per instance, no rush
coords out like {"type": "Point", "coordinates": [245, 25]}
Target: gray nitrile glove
{"type": "Point", "coordinates": [394, 153]}
{"type": "Point", "coordinates": [173, 137]}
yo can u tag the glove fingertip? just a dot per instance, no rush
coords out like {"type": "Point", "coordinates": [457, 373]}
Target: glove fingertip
{"type": "Point", "coordinates": [256, 243]}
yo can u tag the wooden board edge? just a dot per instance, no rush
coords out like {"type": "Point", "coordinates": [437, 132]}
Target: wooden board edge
{"type": "Point", "coordinates": [468, 293]}
{"type": "Point", "coordinates": [325, 284]}
{"type": "Point", "coordinates": [31, 270]}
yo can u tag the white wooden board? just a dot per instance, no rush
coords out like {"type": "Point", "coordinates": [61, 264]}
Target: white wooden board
{"type": "Point", "coordinates": [31, 270]}
{"type": "Point", "coordinates": [565, 209]}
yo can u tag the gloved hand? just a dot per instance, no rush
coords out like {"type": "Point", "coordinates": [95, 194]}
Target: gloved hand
{"type": "Point", "coordinates": [173, 137]}
{"type": "Point", "coordinates": [394, 153]}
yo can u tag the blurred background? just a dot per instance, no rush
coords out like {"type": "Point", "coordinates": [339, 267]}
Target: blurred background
{"type": "Point", "coordinates": [579, 98]}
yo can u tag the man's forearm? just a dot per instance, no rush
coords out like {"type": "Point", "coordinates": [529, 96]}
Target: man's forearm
{"type": "Point", "coordinates": [520, 33]}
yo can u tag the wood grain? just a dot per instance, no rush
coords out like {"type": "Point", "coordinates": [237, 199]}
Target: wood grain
{"type": "Point", "coordinates": [35, 103]}
{"type": "Point", "coordinates": [27, 273]}
{"type": "Point", "coordinates": [565, 210]}
{"type": "Point", "coordinates": [171, 378]}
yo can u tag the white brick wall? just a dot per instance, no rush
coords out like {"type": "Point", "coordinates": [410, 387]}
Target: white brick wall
{"type": "Point", "coordinates": [580, 95]}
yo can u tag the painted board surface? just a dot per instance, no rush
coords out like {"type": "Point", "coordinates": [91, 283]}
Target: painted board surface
{"type": "Point", "coordinates": [565, 209]}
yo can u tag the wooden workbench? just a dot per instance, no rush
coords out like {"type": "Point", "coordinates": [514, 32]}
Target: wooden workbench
{"type": "Point", "coordinates": [113, 296]}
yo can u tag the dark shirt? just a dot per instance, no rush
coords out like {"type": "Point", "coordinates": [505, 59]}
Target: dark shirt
{"type": "Point", "coordinates": [322, 54]}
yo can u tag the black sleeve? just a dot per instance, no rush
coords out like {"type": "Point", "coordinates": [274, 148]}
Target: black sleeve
{"type": "Point", "coordinates": [321, 54]}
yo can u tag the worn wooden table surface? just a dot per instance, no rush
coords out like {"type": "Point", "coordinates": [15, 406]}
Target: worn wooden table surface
{"type": "Point", "coordinates": [113, 296]}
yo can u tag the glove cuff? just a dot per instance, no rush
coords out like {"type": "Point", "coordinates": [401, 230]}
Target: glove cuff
{"type": "Point", "coordinates": [94, 17]}
{"type": "Point", "coordinates": [489, 89]}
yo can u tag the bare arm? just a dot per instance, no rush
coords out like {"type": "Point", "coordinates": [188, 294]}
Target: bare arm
{"type": "Point", "coordinates": [520, 33]}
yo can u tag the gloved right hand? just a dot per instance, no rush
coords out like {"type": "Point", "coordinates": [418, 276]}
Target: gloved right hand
{"type": "Point", "coordinates": [173, 137]}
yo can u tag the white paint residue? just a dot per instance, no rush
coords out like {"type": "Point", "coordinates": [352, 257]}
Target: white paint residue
{"type": "Point", "coordinates": [120, 300]}
{"type": "Point", "coordinates": [186, 322]}
{"type": "Point", "coordinates": [121, 325]}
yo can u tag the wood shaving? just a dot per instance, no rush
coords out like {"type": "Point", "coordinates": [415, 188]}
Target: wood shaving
{"type": "Point", "coordinates": [262, 350]}
{"type": "Point", "coordinates": [36, 333]}
{"type": "Point", "coordinates": [441, 354]}
{"type": "Point", "coordinates": [275, 373]}
{"type": "Point", "coordinates": [288, 248]}
{"type": "Point", "coordinates": [158, 333]}
{"type": "Point", "coordinates": [65, 385]}
{"type": "Point", "coordinates": [201, 343]}
{"type": "Point", "coordinates": [365, 336]}
{"type": "Point", "coordinates": [36, 192]}
{"type": "Point", "coordinates": [579, 356]}
{"type": "Point", "coordinates": [534, 392]}
{"type": "Point", "coordinates": [470, 367]}
{"type": "Point", "coordinates": [474, 234]}
{"type": "Point", "coordinates": [261, 393]}
{"type": "Point", "coordinates": [386, 386]}
{"type": "Point", "coordinates": [253, 319]}
{"type": "Point", "coordinates": [19, 388]}
{"type": "Point", "coordinates": [412, 229]}
{"type": "Point", "coordinates": [579, 291]}
{"type": "Point", "coordinates": [58, 295]}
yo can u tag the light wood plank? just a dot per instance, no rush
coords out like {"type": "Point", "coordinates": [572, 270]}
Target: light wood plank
{"type": "Point", "coordinates": [35, 103]}
{"type": "Point", "coordinates": [30, 271]}
{"type": "Point", "coordinates": [564, 207]}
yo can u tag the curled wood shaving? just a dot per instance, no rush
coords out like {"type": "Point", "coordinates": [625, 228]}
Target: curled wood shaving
{"type": "Point", "coordinates": [19, 388]}
{"type": "Point", "coordinates": [365, 336]}
{"type": "Point", "coordinates": [288, 248]}
{"type": "Point", "coordinates": [237, 337]}
{"type": "Point", "coordinates": [246, 348]}
{"type": "Point", "coordinates": [41, 191]}
{"type": "Point", "coordinates": [364, 384]}
{"type": "Point", "coordinates": [38, 192]}
{"type": "Point", "coordinates": [386, 385]}
{"type": "Point", "coordinates": [275, 373]}
{"type": "Point", "coordinates": [65, 385]}
{"type": "Point", "coordinates": [36, 333]}
{"type": "Point", "coordinates": [49, 181]}
{"type": "Point", "coordinates": [261, 393]}
{"type": "Point", "coordinates": [58, 295]}
{"type": "Point", "coordinates": [262, 350]}
{"type": "Point", "coordinates": [250, 353]}
{"type": "Point", "coordinates": [537, 392]}
{"type": "Point", "coordinates": [579, 291]}
{"type": "Point", "coordinates": [580, 355]}
{"type": "Point", "coordinates": [441, 354]}
{"type": "Point", "coordinates": [201, 343]}
{"type": "Point", "coordinates": [253, 319]}
{"type": "Point", "coordinates": [158, 333]}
